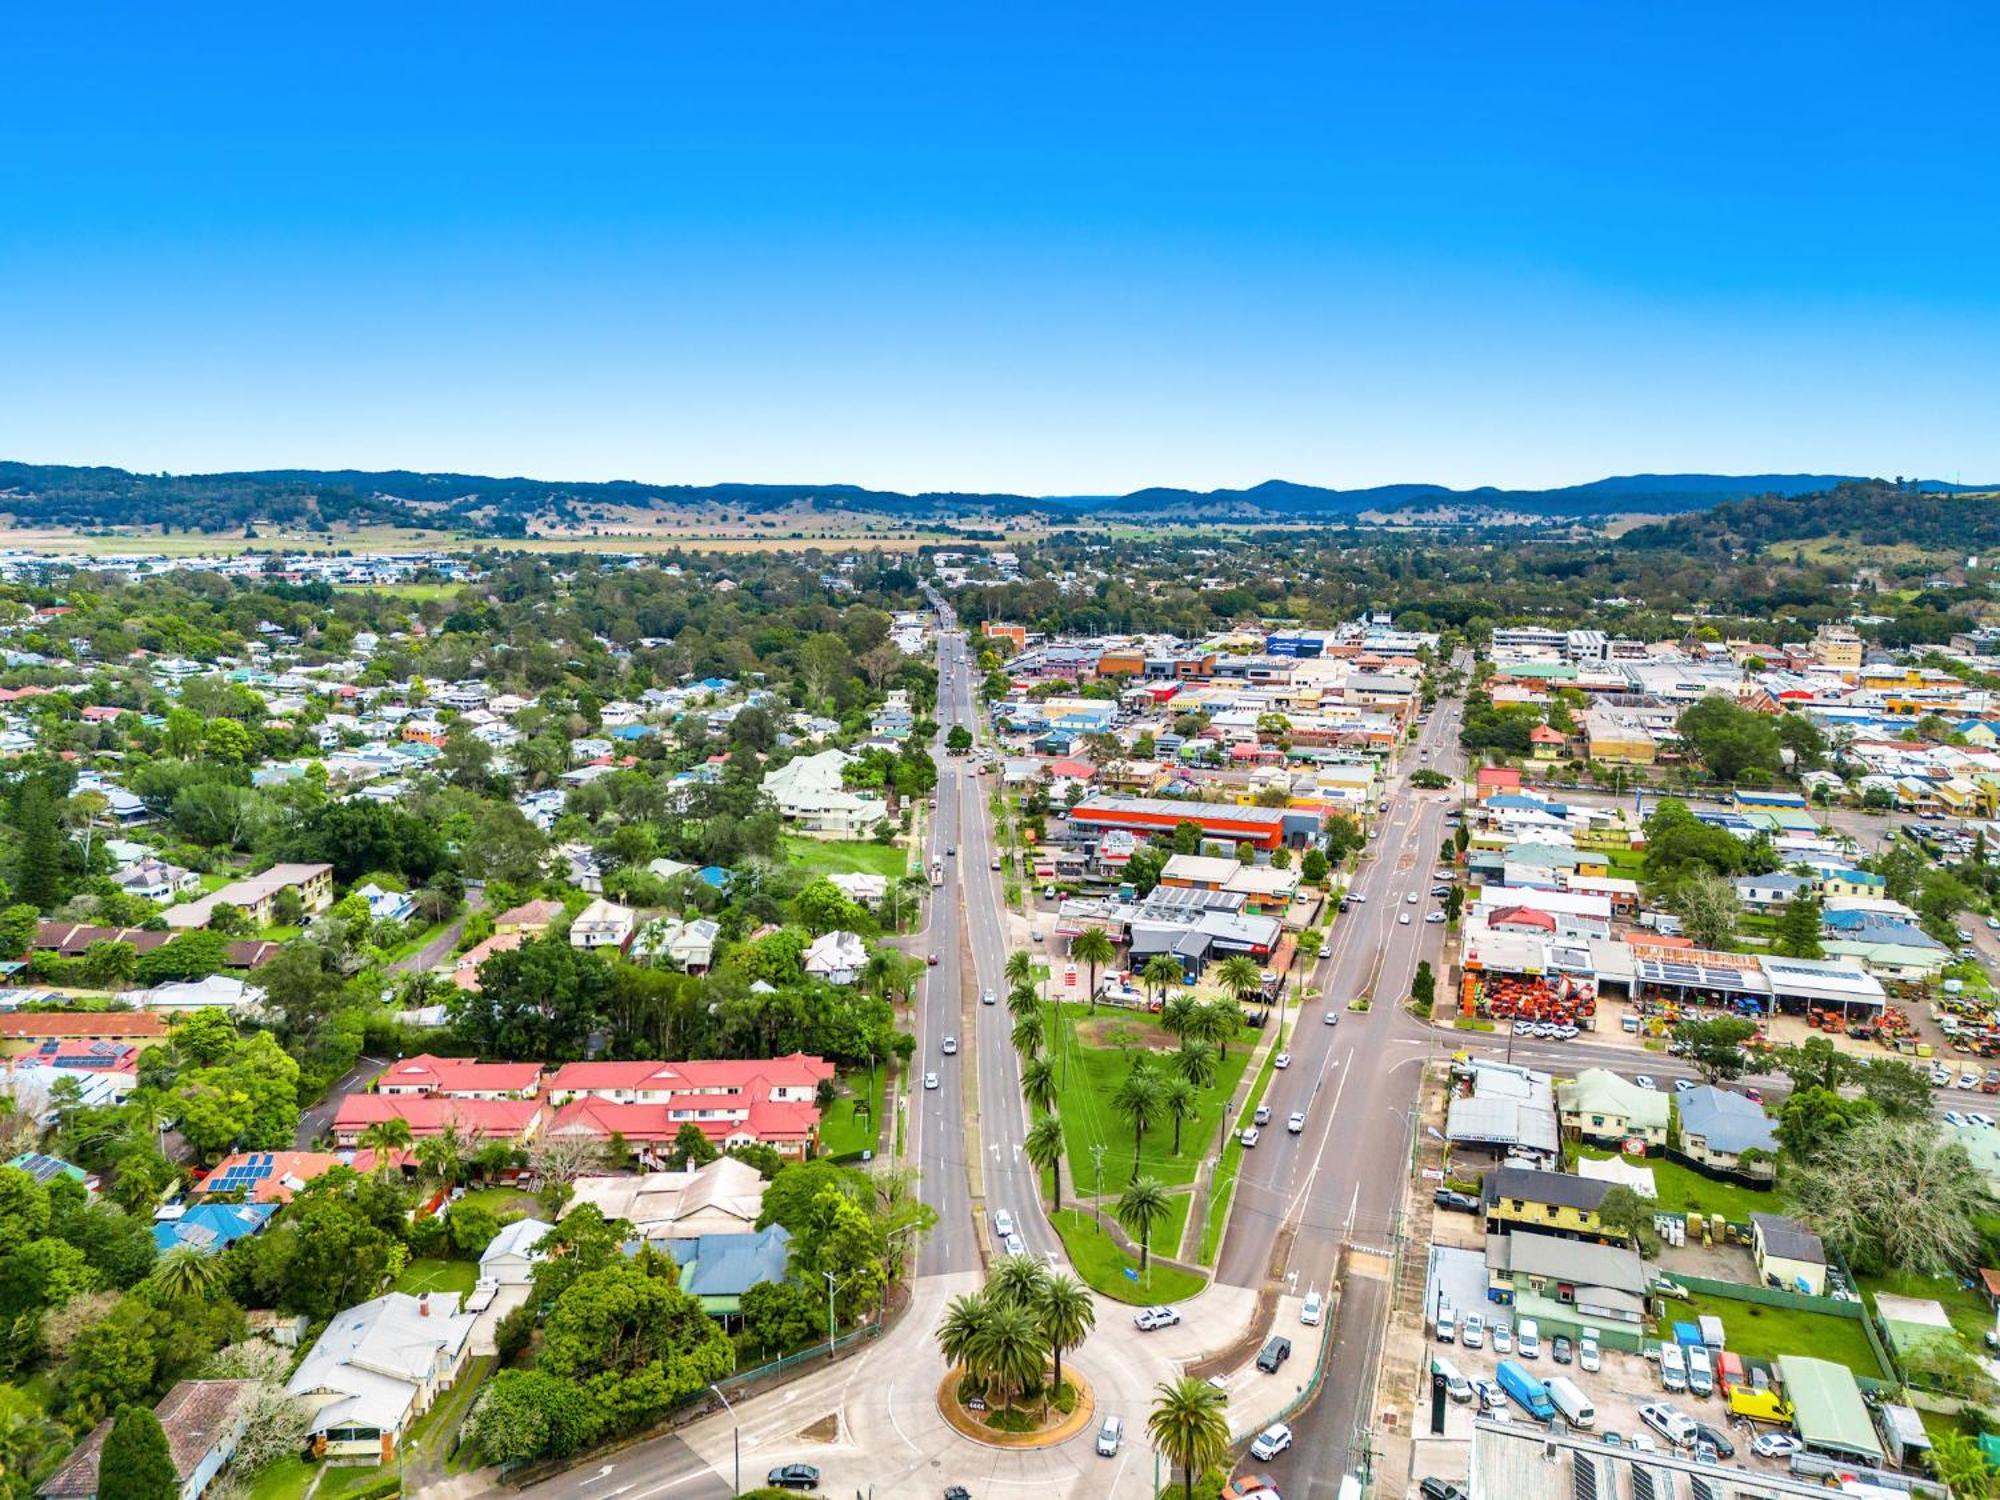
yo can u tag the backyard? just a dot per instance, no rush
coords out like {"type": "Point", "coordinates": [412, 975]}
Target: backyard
{"type": "Point", "coordinates": [1684, 1190]}
{"type": "Point", "coordinates": [428, 1275]}
{"type": "Point", "coordinates": [845, 1129]}
{"type": "Point", "coordinates": [844, 857]}
{"type": "Point", "coordinates": [1760, 1332]}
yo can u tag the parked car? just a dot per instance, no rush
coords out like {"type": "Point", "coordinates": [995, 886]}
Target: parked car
{"type": "Point", "coordinates": [793, 1477]}
{"type": "Point", "coordinates": [1683, 1085]}
{"type": "Point", "coordinates": [1492, 1394]}
{"type": "Point", "coordinates": [1456, 1202]}
{"type": "Point", "coordinates": [1670, 1422]}
{"type": "Point", "coordinates": [1434, 917]}
{"type": "Point", "coordinates": [1272, 1441]}
{"type": "Point", "coordinates": [1262, 1116]}
{"type": "Point", "coordinates": [1282, 1060]}
{"type": "Point", "coordinates": [1645, 1080]}
{"type": "Point", "coordinates": [1560, 1350]}
{"type": "Point", "coordinates": [1528, 1339]}
{"type": "Point", "coordinates": [1309, 1313]}
{"type": "Point", "coordinates": [1775, 1445]}
{"type": "Point", "coordinates": [1588, 1358]}
{"type": "Point", "coordinates": [1714, 1438]}
{"type": "Point", "coordinates": [1274, 1353]}
{"type": "Point", "coordinates": [1472, 1333]}
{"type": "Point", "coordinates": [1502, 1336]}
{"type": "Point", "coordinates": [1434, 1488]}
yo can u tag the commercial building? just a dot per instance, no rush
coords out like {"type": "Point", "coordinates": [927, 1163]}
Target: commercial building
{"type": "Point", "coordinates": [1223, 822]}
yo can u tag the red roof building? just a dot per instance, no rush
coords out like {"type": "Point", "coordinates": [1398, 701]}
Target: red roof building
{"type": "Point", "coordinates": [795, 1076]}
{"type": "Point", "coordinates": [478, 1120]}
{"type": "Point", "coordinates": [788, 1127]}
{"type": "Point", "coordinates": [25, 1032]}
{"type": "Point", "coordinates": [266, 1176]}
{"type": "Point", "coordinates": [461, 1078]}
{"type": "Point", "coordinates": [1263, 827]}
{"type": "Point", "coordinates": [1491, 781]}
{"type": "Point", "coordinates": [772, 1100]}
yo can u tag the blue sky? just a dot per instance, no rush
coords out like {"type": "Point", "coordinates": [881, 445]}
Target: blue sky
{"type": "Point", "coordinates": [1056, 249]}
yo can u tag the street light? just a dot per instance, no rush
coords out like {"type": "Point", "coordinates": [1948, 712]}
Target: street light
{"type": "Point", "coordinates": [735, 1437]}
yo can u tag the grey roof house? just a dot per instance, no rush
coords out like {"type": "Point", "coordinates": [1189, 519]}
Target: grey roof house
{"type": "Point", "coordinates": [1719, 1125]}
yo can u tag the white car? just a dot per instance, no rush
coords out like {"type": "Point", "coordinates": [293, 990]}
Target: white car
{"type": "Point", "coordinates": [1411, 898]}
{"type": "Point", "coordinates": [1155, 1317]}
{"type": "Point", "coordinates": [1282, 1060]}
{"type": "Point", "coordinates": [1296, 1124]}
{"type": "Point", "coordinates": [930, 1080]}
{"type": "Point", "coordinates": [1434, 917]}
{"type": "Point", "coordinates": [1272, 1441]}
{"type": "Point", "coordinates": [1979, 1119]}
{"type": "Point", "coordinates": [1589, 1358]}
{"type": "Point", "coordinates": [1940, 1078]}
{"type": "Point", "coordinates": [1492, 1395]}
{"type": "Point", "coordinates": [1503, 1338]}
{"type": "Point", "coordinates": [1309, 1313]}
{"type": "Point", "coordinates": [1003, 1223]}
{"type": "Point", "coordinates": [1684, 1085]}
{"type": "Point", "coordinates": [1968, 1080]}
{"type": "Point", "coordinates": [1472, 1332]}
{"type": "Point", "coordinates": [1251, 1136]}
{"type": "Point", "coordinates": [950, 1046]}
{"type": "Point", "coordinates": [1645, 1080]}
{"type": "Point", "coordinates": [1109, 1436]}
{"type": "Point", "coordinates": [987, 997]}
{"type": "Point", "coordinates": [1528, 1338]}
{"type": "Point", "coordinates": [1016, 1245]}
{"type": "Point", "coordinates": [1953, 1117]}
{"type": "Point", "coordinates": [1775, 1445]}
{"type": "Point", "coordinates": [1403, 920]}
{"type": "Point", "coordinates": [1993, 924]}
{"type": "Point", "coordinates": [1331, 1018]}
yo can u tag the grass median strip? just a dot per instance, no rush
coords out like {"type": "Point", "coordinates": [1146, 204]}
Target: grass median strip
{"type": "Point", "coordinates": [1103, 1266]}
{"type": "Point", "coordinates": [1223, 1186]}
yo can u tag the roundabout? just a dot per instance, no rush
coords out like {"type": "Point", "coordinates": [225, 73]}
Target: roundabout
{"type": "Point", "coordinates": [968, 1417]}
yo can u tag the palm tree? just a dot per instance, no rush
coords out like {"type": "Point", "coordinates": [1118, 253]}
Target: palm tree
{"type": "Point", "coordinates": [1020, 967]}
{"type": "Point", "coordinates": [1161, 973]}
{"type": "Point", "coordinates": [958, 1335]}
{"type": "Point", "coordinates": [1310, 942]}
{"type": "Point", "coordinates": [1027, 1035]}
{"type": "Point", "coordinates": [1044, 1148]}
{"type": "Point", "coordinates": [442, 1156]}
{"type": "Point", "coordinates": [1092, 947]}
{"type": "Point", "coordinates": [1138, 1100]}
{"type": "Point", "coordinates": [187, 1272]}
{"type": "Point", "coordinates": [1038, 1083]}
{"type": "Point", "coordinates": [1219, 1020]}
{"type": "Point", "coordinates": [1178, 1014]}
{"type": "Point", "coordinates": [1016, 1281]}
{"type": "Point", "coordinates": [1021, 999]}
{"type": "Point", "coordinates": [1196, 1063]}
{"type": "Point", "coordinates": [1067, 1314]}
{"type": "Point", "coordinates": [385, 1138]}
{"type": "Point", "coordinates": [1182, 1101]}
{"type": "Point", "coordinates": [1140, 1207]}
{"type": "Point", "coordinates": [1010, 1351]}
{"type": "Point", "coordinates": [1240, 976]}
{"type": "Point", "coordinates": [1189, 1425]}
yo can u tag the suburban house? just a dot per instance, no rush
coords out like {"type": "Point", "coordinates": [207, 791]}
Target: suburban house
{"type": "Point", "coordinates": [734, 1103]}
{"type": "Point", "coordinates": [460, 1078]}
{"type": "Point", "coordinates": [155, 880]}
{"type": "Point", "coordinates": [1768, 892]}
{"type": "Point", "coordinates": [478, 1120]}
{"type": "Point", "coordinates": [24, 1033]}
{"type": "Point", "coordinates": [530, 918]}
{"type": "Point", "coordinates": [510, 1257]}
{"type": "Point", "coordinates": [722, 1198]}
{"type": "Point", "coordinates": [254, 896]}
{"type": "Point", "coordinates": [1598, 1105]}
{"type": "Point", "coordinates": [203, 1421]}
{"type": "Point", "coordinates": [216, 992]}
{"type": "Point", "coordinates": [1566, 1284]}
{"type": "Point", "coordinates": [717, 1269]}
{"type": "Point", "coordinates": [208, 1228]}
{"type": "Point", "coordinates": [837, 957]}
{"type": "Point", "coordinates": [1553, 1203]}
{"type": "Point", "coordinates": [687, 946]}
{"type": "Point", "coordinates": [1719, 1125]}
{"type": "Point", "coordinates": [810, 796]}
{"type": "Point", "coordinates": [266, 1176]}
{"type": "Point", "coordinates": [1788, 1254]}
{"type": "Point", "coordinates": [377, 1368]}
{"type": "Point", "coordinates": [603, 924]}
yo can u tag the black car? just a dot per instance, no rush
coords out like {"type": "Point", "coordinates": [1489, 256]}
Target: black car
{"type": "Point", "coordinates": [1560, 1350]}
{"type": "Point", "coordinates": [1273, 1354]}
{"type": "Point", "coordinates": [957, 1492]}
{"type": "Point", "coordinates": [1459, 1203]}
{"type": "Point", "coordinates": [793, 1477]}
{"type": "Point", "coordinates": [1438, 1489]}
{"type": "Point", "coordinates": [1703, 1433]}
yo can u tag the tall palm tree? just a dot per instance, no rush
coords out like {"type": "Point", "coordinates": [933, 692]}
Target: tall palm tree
{"type": "Point", "coordinates": [1028, 1036]}
{"type": "Point", "coordinates": [1190, 1426]}
{"type": "Point", "coordinates": [1010, 1351]}
{"type": "Point", "coordinates": [958, 1335]}
{"type": "Point", "coordinates": [1093, 947]}
{"type": "Point", "coordinates": [1178, 1013]}
{"type": "Point", "coordinates": [1160, 974]}
{"type": "Point", "coordinates": [1020, 967]}
{"type": "Point", "coordinates": [1219, 1021]}
{"type": "Point", "coordinates": [1044, 1148]}
{"type": "Point", "coordinates": [442, 1156]}
{"type": "Point", "coordinates": [1016, 1281]}
{"type": "Point", "coordinates": [1310, 942]}
{"type": "Point", "coordinates": [1140, 1207]}
{"type": "Point", "coordinates": [1067, 1314]}
{"type": "Point", "coordinates": [1196, 1063]}
{"type": "Point", "coordinates": [1038, 1083]}
{"type": "Point", "coordinates": [1240, 976]}
{"type": "Point", "coordinates": [385, 1138]}
{"type": "Point", "coordinates": [187, 1272]}
{"type": "Point", "coordinates": [1021, 1000]}
{"type": "Point", "coordinates": [1182, 1102]}
{"type": "Point", "coordinates": [1138, 1100]}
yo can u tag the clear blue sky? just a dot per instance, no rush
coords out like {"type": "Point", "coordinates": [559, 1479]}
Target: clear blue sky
{"type": "Point", "coordinates": [1070, 249]}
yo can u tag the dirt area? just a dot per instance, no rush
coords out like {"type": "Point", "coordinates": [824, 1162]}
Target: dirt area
{"type": "Point", "coordinates": [1715, 1262]}
{"type": "Point", "coordinates": [825, 1430]}
{"type": "Point", "coordinates": [1124, 1031]}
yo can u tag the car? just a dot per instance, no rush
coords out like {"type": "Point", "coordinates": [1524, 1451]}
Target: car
{"type": "Point", "coordinates": [1714, 1438]}
{"type": "Point", "coordinates": [957, 1492]}
{"type": "Point", "coordinates": [1355, 896]}
{"type": "Point", "coordinates": [1611, 1439]}
{"type": "Point", "coordinates": [950, 1048]}
{"type": "Point", "coordinates": [1502, 1336]}
{"type": "Point", "coordinates": [1684, 1085]}
{"type": "Point", "coordinates": [987, 997]}
{"type": "Point", "coordinates": [1330, 1018]}
{"type": "Point", "coordinates": [1492, 1394]}
{"type": "Point", "coordinates": [1953, 1117]}
{"type": "Point", "coordinates": [1433, 917]}
{"type": "Point", "coordinates": [1433, 1488]}
{"type": "Point", "coordinates": [1217, 1383]}
{"type": "Point", "coordinates": [1274, 1353]}
{"type": "Point", "coordinates": [1250, 1137]}
{"type": "Point", "coordinates": [1977, 1118]}
{"type": "Point", "coordinates": [1775, 1445]}
{"type": "Point", "coordinates": [1472, 1332]}
{"type": "Point", "coordinates": [1035, 933]}
{"type": "Point", "coordinates": [1109, 1436]}
{"type": "Point", "coordinates": [1645, 1080]}
{"type": "Point", "coordinates": [1310, 1310]}
{"type": "Point", "coordinates": [1670, 1422]}
{"type": "Point", "coordinates": [1016, 1245]}
{"type": "Point", "coordinates": [1755, 1096]}
{"type": "Point", "coordinates": [1455, 1201]}
{"type": "Point", "coordinates": [1968, 1080]}
{"type": "Point", "coordinates": [1588, 1357]}
{"type": "Point", "coordinates": [951, 849]}
{"type": "Point", "coordinates": [1262, 1115]}
{"type": "Point", "coordinates": [1560, 1349]}
{"type": "Point", "coordinates": [930, 1080]}
{"type": "Point", "coordinates": [1993, 924]}
{"type": "Point", "coordinates": [1962, 935]}
{"type": "Point", "coordinates": [793, 1477]}
{"type": "Point", "coordinates": [1149, 1318]}
{"type": "Point", "coordinates": [1243, 1486]}
{"type": "Point", "coordinates": [1403, 920]}
{"type": "Point", "coordinates": [1410, 897]}
{"type": "Point", "coordinates": [1440, 891]}
{"type": "Point", "coordinates": [1003, 1223]}
{"type": "Point", "coordinates": [1272, 1441]}
{"type": "Point", "coordinates": [1296, 1122]}
{"type": "Point", "coordinates": [1940, 1078]}
{"type": "Point", "coordinates": [1282, 1060]}
{"type": "Point", "coordinates": [1528, 1339]}
{"type": "Point", "coordinates": [931, 959]}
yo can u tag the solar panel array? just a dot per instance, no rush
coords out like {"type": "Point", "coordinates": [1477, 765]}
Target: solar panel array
{"type": "Point", "coordinates": [244, 1174]}
{"type": "Point", "coordinates": [1694, 976]}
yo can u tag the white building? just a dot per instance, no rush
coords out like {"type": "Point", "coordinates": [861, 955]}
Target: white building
{"type": "Point", "coordinates": [810, 798]}
{"type": "Point", "coordinates": [380, 1366]}
{"type": "Point", "coordinates": [837, 957]}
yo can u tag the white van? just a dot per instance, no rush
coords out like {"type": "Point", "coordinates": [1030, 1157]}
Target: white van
{"type": "Point", "coordinates": [1572, 1403]}
{"type": "Point", "coordinates": [1456, 1385]}
{"type": "Point", "coordinates": [1701, 1370]}
{"type": "Point", "coordinates": [1447, 1324]}
{"type": "Point", "coordinates": [1528, 1338]}
{"type": "Point", "coordinates": [1673, 1369]}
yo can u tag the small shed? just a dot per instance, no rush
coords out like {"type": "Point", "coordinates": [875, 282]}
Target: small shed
{"type": "Point", "coordinates": [1827, 1409]}
{"type": "Point", "coordinates": [510, 1257]}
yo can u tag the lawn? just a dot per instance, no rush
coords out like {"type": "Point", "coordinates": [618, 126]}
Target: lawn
{"type": "Point", "coordinates": [434, 1428]}
{"type": "Point", "coordinates": [1222, 1186]}
{"type": "Point", "coordinates": [501, 1202]}
{"type": "Point", "coordinates": [426, 1275]}
{"type": "Point", "coordinates": [1760, 1332]}
{"type": "Point", "coordinates": [416, 593]}
{"type": "Point", "coordinates": [1965, 1306]}
{"type": "Point", "coordinates": [1101, 1264]}
{"type": "Point", "coordinates": [346, 1479]}
{"type": "Point", "coordinates": [284, 1479]}
{"type": "Point", "coordinates": [1089, 1077]}
{"type": "Point", "coordinates": [1682, 1190]}
{"type": "Point", "coordinates": [845, 1131]}
{"type": "Point", "coordinates": [842, 857]}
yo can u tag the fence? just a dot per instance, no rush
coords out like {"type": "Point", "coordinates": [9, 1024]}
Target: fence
{"type": "Point", "coordinates": [1769, 1296]}
{"type": "Point", "coordinates": [745, 1378]}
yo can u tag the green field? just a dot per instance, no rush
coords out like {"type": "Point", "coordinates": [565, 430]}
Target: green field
{"type": "Point", "coordinates": [1090, 1075]}
{"type": "Point", "coordinates": [286, 1479]}
{"type": "Point", "coordinates": [417, 593]}
{"type": "Point", "coordinates": [1966, 1307]}
{"type": "Point", "coordinates": [1682, 1190]}
{"type": "Point", "coordinates": [844, 1131]}
{"type": "Point", "coordinates": [426, 1275]}
{"type": "Point", "coordinates": [1760, 1332]}
{"type": "Point", "coordinates": [843, 857]}
{"type": "Point", "coordinates": [1102, 1265]}
{"type": "Point", "coordinates": [502, 1202]}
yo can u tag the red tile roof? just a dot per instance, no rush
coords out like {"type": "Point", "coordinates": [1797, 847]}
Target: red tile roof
{"type": "Point", "coordinates": [771, 1121]}
{"type": "Point", "coordinates": [106, 1023]}
{"type": "Point", "coordinates": [429, 1114]}
{"type": "Point", "coordinates": [461, 1075]}
{"type": "Point", "coordinates": [794, 1070]}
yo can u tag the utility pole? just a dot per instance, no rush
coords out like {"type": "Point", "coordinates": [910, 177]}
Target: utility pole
{"type": "Point", "coordinates": [1097, 1157]}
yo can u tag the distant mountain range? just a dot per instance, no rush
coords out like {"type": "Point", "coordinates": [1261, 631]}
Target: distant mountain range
{"type": "Point", "coordinates": [79, 497]}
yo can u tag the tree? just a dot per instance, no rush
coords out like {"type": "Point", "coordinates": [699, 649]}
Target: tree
{"type": "Point", "coordinates": [1896, 1195]}
{"type": "Point", "coordinates": [1009, 1350]}
{"type": "Point", "coordinates": [1139, 1100]}
{"type": "Point", "coordinates": [1423, 987]}
{"type": "Point", "coordinates": [1181, 1102]}
{"type": "Point", "coordinates": [1189, 1423]}
{"type": "Point", "coordinates": [1314, 867]}
{"type": "Point", "coordinates": [1140, 1207]}
{"type": "Point", "coordinates": [1161, 973]}
{"type": "Point", "coordinates": [1067, 1314]}
{"type": "Point", "coordinates": [1960, 1463]}
{"type": "Point", "coordinates": [1814, 1063]}
{"type": "Point", "coordinates": [41, 878]}
{"type": "Point", "coordinates": [691, 1148]}
{"type": "Point", "coordinates": [187, 1272]}
{"type": "Point", "coordinates": [543, 1000]}
{"type": "Point", "coordinates": [1730, 740]}
{"type": "Point", "coordinates": [1624, 1211]}
{"type": "Point", "coordinates": [1038, 1083]}
{"type": "Point", "coordinates": [1027, 1035]}
{"type": "Point", "coordinates": [136, 1463]}
{"type": "Point", "coordinates": [779, 1316]}
{"type": "Point", "coordinates": [957, 740]}
{"type": "Point", "coordinates": [1895, 1087]}
{"type": "Point", "coordinates": [1044, 1150]}
{"type": "Point", "coordinates": [1241, 976]}
{"type": "Point", "coordinates": [530, 1414]}
{"type": "Point", "coordinates": [1093, 947]}
{"type": "Point", "coordinates": [1797, 933]}
{"type": "Point", "coordinates": [633, 1341]}
{"type": "Point", "coordinates": [1716, 1047]}
{"type": "Point", "coordinates": [1813, 1119]}
{"type": "Point", "coordinates": [1195, 1061]}
{"type": "Point", "coordinates": [1708, 909]}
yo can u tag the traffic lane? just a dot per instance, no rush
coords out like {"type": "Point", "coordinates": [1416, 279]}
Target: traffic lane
{"type": "Point", "coordinates": [938, 1115]}
{"type": "Point", "coordinates": [663, 1469]}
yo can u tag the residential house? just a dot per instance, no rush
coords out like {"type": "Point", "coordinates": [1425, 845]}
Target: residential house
{"type": "Point", "coordinates": [510, 1257]}
{"type": "Point", "coordinates": [155, 880]}
{"type": "Point", "coordinates": [515, 1121]}
{"type": "Point", "coordinates": [717, 1269]}
{"type": "Point", "coordinates": [377, 1368]}
{"type": "Point", "coordinates": [1788, 1254]}
{"type": "Point", "coordinates": [810, 796]}
{"type": "Point", "coordinates": [254, 896]}
{"type": "Point", "coordinates": [460, 1078]}
{"type": "Point", "coordinates": [209, 1228]}
{"type": "Point", "coordinates": [530, 919]}
{"type": "Point", "coordinates": [1600, 1106]}
{"type": "Point", "coordinates": [836, 957]}
{"type": "Point", "coordinates": [863, 886]}
{"type": "Point", "coordinates": [216, 992]}
{"type": "Point", "coordinates": [603, 924]}
{"type": "Point", "coordinates": [265, 1176]}
{"type": "Point", "coordinates": [1719, 1125]}
{"type": "Point", "coordinates": [1520, 1198]}
{"type": "Point", "coordinates": [1768, 892]}
{"type": "Point", "coordinates": [203, 1421]}
{"type": "Point", "coordinates": [21, 1033]}
{"type": "Point", "coordinates": [772, 1100]}
{"type": "Point", "coordinates": [687, 946]}
{"type": "Point", "coordinates": [725, 1197]}
{"type": "Point", "coordinates": [386, 906]}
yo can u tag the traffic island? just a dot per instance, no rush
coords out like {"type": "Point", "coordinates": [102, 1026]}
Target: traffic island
{"type": "Point", "coordinates": [1021, 1427]}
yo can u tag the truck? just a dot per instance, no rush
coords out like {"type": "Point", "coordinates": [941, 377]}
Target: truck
{"type": "Point", "coordinates": [1526, 1391]}
{"type": "Point", "coordinates": [1571, 1402]}
{"type": "Point", "coordinates": [937, 870]}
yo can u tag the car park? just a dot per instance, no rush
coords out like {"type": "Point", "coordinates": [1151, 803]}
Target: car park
{"type": "Point", "coordinates": [1310, 1310]}
{"type": "Point", "coordinates": [1274, 1353]}
{"type": "Point", "coordinates": [1297, 1122]}
{"type": "Point", "coordinates": [1455, 1201]}
{"type": "Point", "coordinates": [1109, 1436]}
{"type": "Point", "coordinates": [793, 1477]}
{"type": "Point", "coordinates": [950, 1046]}
{"type": "Point", "coordinates": [1250, 1137]}
{"type": "Point", "coordinates": [1272, 1441]}
{"type": "Point", "coordinates": [930, 1080]}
